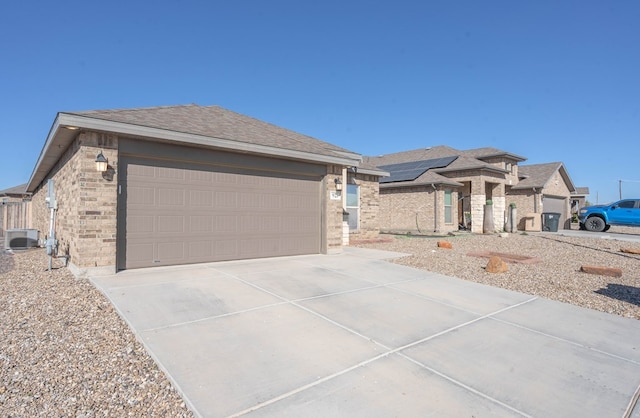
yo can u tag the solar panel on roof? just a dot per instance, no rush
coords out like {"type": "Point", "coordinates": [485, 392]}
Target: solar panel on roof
{"type": "Point", "coordinates": [411, 170]}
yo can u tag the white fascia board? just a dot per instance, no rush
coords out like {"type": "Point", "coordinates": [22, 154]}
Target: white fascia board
{"type": "Point", "coordinates": [186, 138]}
{"type": "Point", "coordinates": [380, 173]}
{"type": "Point", "coordinates": [43, 152]}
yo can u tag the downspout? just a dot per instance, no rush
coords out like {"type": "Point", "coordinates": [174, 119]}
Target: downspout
{"type": "Point", "coordinates": [435, 208]}
{"type": "Point", "coordinates": [535, 201]}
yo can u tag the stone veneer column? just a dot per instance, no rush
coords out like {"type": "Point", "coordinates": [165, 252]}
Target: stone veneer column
{"type": "Point", "coordinates": [499, 206]}
{"type": "Point", "coordinates": [477, 212]}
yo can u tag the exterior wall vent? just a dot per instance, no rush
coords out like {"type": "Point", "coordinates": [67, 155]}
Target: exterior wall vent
{"type": "Point", "coordinates": [17, 239]}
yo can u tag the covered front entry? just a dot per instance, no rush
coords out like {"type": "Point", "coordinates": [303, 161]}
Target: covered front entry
{"type": "Point", "coordinates": [178, 212]}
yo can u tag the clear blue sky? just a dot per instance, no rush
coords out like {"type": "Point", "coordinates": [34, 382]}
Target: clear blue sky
{"type": "Point", "coordinates": [549, 80]}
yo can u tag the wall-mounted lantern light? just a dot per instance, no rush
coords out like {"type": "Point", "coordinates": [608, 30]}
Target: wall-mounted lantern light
{"type": "Point", "coordinates": [101, 163]}
{"type": "Point", "coordinates": [338, 184]}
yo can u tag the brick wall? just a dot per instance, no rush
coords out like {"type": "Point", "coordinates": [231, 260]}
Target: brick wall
{"type": "Point", "coordinates": [556, 186]}
{"type": "Point", "coordinates": [413, 210]}
{"type": "Point", "coordinates": [334, 209]}
{"type": "Point", "coordinates": [525, 203]}
{"type": "Point", "coordinates": [369, 207]}
{"type": "Point", "coordinates": [86, 215]}
{"type": "Point", "coordinates": [407, 210]}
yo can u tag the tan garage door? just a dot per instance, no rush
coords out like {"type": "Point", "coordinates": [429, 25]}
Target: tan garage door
{"type": "Point", "coordinates": [179, 213]}
{"type": "Point", "coordinates": [556, 205]}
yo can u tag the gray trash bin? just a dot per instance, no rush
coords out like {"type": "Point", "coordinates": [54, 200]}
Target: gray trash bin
{"type": "Point", "coordinates": [550, 221]}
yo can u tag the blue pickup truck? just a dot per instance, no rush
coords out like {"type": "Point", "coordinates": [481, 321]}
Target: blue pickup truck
{"type": "Point", "coordinates": [599, 218]}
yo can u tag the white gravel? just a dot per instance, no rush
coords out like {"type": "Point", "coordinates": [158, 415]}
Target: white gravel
{"type": "Point", "coordinates": [65, 352]}
{"type": "Point", "coordinates": [557, 276]}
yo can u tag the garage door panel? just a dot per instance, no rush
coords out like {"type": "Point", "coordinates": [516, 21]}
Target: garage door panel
{"type": "Point", "coordinates": [200, 224]}
{"type": "Point", "coordinates": [141, 171]}
{"type": "Point", "coordinates": [141, 225]}
{"type": "Point", "coordinates": [200, 177]}
{"type": "Point", "coordinates": [169, 252]}
{"type": "Point", "coordinates": [181, 213]}
{"type": "Point", "coordinates": [171, 197]}
{"type": "Point", "coordinates": [227, 250]}
{"type": "Point", "coordinates": [201, 198]}
{"type": "Point", "coordinates": [300, 224]}
{"type": "Point", "coordinates": [140, 254]}
{"type": "Point", "coordinates": [141, 196]}
{"type": "Point", "coordinates": [222, 179]}
{"type": "Point", "coordinates": [225, 200]}
{"type": "Point", "coordinates": [270, 225]}
{"type": "Point", "coordinates": [200, 250]}
{"type": "Point", "coordinates": [172, 224]}
{"type": "Point", "coordinates": [226, 224]}
{"type": "Point", "coordinates": [167, 174]}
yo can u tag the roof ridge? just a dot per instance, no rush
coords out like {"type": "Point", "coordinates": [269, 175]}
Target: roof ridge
{"type": "Point", "coordinates": [414, 150]}
{"type": "Point", "coordinates": [136, 109]}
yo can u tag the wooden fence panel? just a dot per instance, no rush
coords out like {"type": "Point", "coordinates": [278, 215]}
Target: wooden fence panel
{"type": "Point", "coordinates": [15, 215]}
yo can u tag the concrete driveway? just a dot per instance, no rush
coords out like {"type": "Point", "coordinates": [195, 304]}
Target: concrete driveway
{"type": "Point", "coordinates": [354, 335]}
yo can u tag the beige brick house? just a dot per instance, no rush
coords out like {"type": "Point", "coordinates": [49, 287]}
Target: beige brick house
{"type": "Point", "coordinates": [189, 184]}
{"type": "Point", "coordinates": [448, 188]}
{"type": "Point", "coordinates": [440, 189]}
{"type": "Point", "coordinates": [543, 188]}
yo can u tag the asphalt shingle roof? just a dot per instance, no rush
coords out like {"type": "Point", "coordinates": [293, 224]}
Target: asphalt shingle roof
{"type": "Point", "coordinates": [536, 175]}
{"type": "Point", "coordinates": [16, 190]}
{"type": "Point", "coordinates": [467, 160]}
{"type": "Point", "coordinates": [216, 122]}
{"type": "Point", "coordinates": [581, 191]}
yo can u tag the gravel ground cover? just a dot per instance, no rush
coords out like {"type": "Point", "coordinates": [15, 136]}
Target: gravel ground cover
{"type": "Point", "coordinates": [65, 352]}
{"type": "Point", "coordinates": [557, 276]}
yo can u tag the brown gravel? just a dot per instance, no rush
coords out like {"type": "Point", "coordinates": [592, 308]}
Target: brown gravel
{"type": "Point", "coordinates": [65, 352]}
{"type": "Point", "coordinates": [556, 276]}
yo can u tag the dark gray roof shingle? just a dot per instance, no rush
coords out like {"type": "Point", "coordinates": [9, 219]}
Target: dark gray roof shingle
{"type": "Point", "coordinates": [538, 175]}
{"type": "Point", "coordinates": [15, 191]}
{"type": "Point", "coordinates": [216, 122]}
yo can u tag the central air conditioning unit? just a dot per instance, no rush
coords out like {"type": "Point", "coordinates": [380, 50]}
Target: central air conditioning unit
{"type": "Point", "coordinates": [18, 239]}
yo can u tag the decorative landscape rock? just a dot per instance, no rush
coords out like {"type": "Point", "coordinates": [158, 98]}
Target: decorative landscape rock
{"type": "Point", "coordinates": [445, 244]}
{"type": "Point", "coordinates": [496, 265]}
{"type": "Point", "coordinates": [507, 257]}
{"type": "Point", "coordinates": [602, 271]}
{"type": "Point", "coordinates": [631, 250]}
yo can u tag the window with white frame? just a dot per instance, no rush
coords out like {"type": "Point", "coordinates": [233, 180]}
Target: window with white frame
{"type": "Point", "coordinates": [448, 207]}
{"type": "Point", "coordinates": [353, 206]}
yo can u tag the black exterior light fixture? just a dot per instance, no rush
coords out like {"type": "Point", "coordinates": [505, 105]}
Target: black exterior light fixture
{"type": "Point", "coordinates": [101, 163]}
{"type": "Point", "coordinates": [338, 184]}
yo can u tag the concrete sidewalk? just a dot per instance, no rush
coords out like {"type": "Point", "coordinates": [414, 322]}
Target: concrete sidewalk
{"type": "Point", "coordinates": [354, 335]}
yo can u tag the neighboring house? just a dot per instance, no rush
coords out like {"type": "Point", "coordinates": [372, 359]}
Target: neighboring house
{"type": "Point", "coordinates": [543, 188]}
{"type": "Point", "coordinates": [14, 194]}
{"type": "Point", "coordinates": [190, 184]}
{"type": "Point", "coordinates": [15, 208]}
{"type": "Point", "coordinates": [578, 200]}
{"type": "Point", "coordinates": [441, 188]}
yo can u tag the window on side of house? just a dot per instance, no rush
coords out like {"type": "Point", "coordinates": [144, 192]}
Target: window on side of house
{"type": "Point", "coordinates": [448, 207]}
{"type": "Point", "coordinates": [353, 206]}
